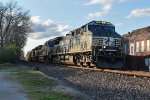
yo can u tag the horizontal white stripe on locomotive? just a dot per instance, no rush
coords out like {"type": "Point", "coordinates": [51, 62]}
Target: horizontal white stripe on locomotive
{"type": "Point", "coordinates": [107, 50]}
{"type": "Point", "coordinates": [95, 38]}
{"type": "Point", "coordinates": [103, 41]}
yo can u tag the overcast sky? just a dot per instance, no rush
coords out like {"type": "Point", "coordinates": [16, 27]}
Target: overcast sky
{"type": "Point", "coordinates": [56, 17]}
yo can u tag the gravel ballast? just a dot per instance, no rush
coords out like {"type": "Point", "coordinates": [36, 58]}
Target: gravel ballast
{"type": "Point", "coordinates": [101, 85]}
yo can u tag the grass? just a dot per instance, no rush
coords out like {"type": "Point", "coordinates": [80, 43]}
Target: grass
{"type": "Point", "coordinates": [37, 86]}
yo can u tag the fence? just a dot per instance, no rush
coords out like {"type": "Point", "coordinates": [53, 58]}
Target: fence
{"type": "Point", "coordinates": [135, 62]}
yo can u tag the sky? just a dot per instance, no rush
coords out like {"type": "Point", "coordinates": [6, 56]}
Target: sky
{"type": "Point", "coordinates": [53, 18]}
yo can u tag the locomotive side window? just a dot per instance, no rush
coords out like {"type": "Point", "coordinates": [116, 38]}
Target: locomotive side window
{"type": "Point", "coordinates": [84, 29]}
{"type": "Point", "coordinates": [73, 33]}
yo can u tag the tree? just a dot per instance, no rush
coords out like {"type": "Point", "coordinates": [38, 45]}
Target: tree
{"type": "Point", "coordinates": [14, 24]}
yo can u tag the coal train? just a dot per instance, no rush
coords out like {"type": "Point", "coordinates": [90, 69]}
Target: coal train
{"type": "Point", "coordinates": [95, 44]}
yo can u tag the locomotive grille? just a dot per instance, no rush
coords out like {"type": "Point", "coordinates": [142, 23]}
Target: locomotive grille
{"type": "Point", "coordinates": [97, 42]}
{"type": "Point", "coordinates": [100, 42]}
{"type": "Point", "coordinates": [117, 42]}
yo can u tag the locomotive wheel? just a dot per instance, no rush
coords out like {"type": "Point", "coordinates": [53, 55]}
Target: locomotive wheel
{"type": "Point", "coordinates": [81, 64]}
{"type": "Point", "coordinates": [47, 60]}
{"type": "Point", "coordinates": [88, 64]}
{"type": "Point", "coordinates": [78, 62]}
{"type": "Point", "coordinates": [75, 60]}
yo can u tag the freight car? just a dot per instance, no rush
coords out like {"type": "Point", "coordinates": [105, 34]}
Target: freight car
{"type": "Point", "coordinates": [94, 44]}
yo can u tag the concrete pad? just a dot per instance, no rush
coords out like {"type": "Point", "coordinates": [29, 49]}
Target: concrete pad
{"type": "Point", "coordinates": [10, 90]}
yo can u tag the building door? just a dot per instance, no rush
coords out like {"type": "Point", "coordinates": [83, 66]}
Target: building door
{"type": "Point", "coordinates": [131, 48]}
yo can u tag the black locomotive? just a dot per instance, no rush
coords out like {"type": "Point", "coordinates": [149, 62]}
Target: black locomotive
{"type": "Point", "coordinates": [94, 44]}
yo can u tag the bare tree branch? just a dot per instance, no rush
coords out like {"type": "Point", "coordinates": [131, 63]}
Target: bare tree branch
{"type": "Point", "coordinates": [14, 24]}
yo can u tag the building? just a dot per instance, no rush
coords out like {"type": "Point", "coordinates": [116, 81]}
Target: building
{"type": "Point", "coordinates": [137, 42]}
{"type": "Point", "coordinates": [137, 47]}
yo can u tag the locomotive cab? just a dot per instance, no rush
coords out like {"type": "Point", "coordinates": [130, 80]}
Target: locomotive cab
{"type": "Point", "coordinates": [106, 45]}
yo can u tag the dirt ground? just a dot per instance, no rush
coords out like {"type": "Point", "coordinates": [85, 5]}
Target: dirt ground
{"type": "Point", "coordinates": [10, 90]}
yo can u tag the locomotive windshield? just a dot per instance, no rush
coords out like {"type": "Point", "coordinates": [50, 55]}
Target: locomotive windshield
{"type": "Point", "coordinates": [50, 43]}
{"type": "Point", "coordinates": [101, 28]}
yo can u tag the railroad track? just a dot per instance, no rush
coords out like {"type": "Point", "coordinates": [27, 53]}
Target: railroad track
{"type": "Point", "coordinates": [123, 72]}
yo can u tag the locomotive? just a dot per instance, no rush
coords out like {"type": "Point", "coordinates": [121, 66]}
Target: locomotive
{"type": "Point", "coordinates": [94, 44]}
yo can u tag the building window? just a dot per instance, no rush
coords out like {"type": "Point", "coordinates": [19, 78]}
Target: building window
{"type": "Point", "coordinates": [132, 48]}
{"type": "Point", "coordinates": [142, 46]}
{"type": "Point", "coordinates": [137, 46]}
{"type": "Point", "coordinates": [147, 45]}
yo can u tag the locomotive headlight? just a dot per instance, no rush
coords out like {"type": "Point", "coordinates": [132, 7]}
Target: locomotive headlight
{"type": "Point", "coordinates": [104, 46]}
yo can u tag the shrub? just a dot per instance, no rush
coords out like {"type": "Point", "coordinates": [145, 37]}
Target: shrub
{"type": "Point", "coordinates": [9, 54]}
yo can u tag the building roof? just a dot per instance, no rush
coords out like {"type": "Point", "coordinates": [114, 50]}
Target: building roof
{"type": "Point", "coordinates": [138, 31]}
